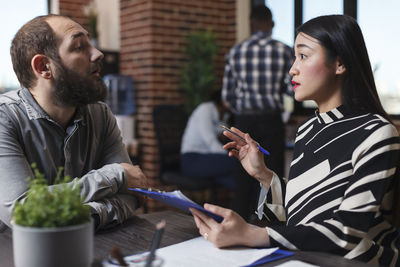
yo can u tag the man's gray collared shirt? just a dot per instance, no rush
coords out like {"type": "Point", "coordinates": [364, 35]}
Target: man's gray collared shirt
{"type": "Point", "coordinates": [89, 149]}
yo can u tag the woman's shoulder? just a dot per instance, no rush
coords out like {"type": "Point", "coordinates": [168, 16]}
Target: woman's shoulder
{"type": "Point", "coordinates": [373, 130]}
{"type": "Point", "coordinates": [351, 121]}
{"type": "Point", "coordinates": [374, 121]}
{"type": "Point", "coordinates": [381, 123]}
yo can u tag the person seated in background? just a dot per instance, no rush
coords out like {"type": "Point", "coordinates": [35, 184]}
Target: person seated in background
{"type": "Point", "coordinates": [202, 155]}
{"type": "Point", "coordinates": [56, 119]}
{"type": "Point", "coordinates": [342, 193]}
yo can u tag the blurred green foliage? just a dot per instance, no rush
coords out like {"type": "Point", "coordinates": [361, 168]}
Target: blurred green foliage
{"type": "Point", "coordinates": [198, 74]}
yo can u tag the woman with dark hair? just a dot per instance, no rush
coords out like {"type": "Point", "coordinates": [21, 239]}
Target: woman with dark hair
{"type": "Point", "coordinates": [340, 192]}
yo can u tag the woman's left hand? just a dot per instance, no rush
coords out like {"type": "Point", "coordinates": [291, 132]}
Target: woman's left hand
{"type": "Point", "coordinates": [232, 231]}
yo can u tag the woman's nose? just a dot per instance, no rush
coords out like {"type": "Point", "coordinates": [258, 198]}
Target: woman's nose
{"type": "Point", "coordinates": [293, 70]}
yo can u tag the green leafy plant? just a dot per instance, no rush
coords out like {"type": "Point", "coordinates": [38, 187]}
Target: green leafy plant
{"type": "Point", "coordinates": [198, 74]}
{"type": "Point", "coordinates": [56, 207]}
{"type": "Point", "coordinates": [90, 11]}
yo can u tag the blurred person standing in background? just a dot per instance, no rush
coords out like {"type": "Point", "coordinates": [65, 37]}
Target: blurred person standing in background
{"type": "Point", "coordinates": [255, 80]}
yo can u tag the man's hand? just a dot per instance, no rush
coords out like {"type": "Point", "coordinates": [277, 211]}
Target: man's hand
{"type": "Point", "coordinates": [134, 176]}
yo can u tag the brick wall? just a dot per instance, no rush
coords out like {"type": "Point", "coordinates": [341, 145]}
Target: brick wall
{"type": "Point", "coordinates": [152, 39]}
{"type": "Point", "coordinates": [74, 9]}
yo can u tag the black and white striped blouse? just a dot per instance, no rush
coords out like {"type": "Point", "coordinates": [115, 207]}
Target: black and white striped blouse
{"type": "Point", "coordinates": [338, 197]}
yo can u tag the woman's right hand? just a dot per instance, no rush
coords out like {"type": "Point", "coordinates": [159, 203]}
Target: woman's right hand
{"type": "Point", "coordinates": [232, 231]}
{"type": "Point", "coordinates": [251, 158]}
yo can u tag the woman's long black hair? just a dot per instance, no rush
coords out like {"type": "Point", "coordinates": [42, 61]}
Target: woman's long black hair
{"type": "Point", "coordinates": [341, 38]}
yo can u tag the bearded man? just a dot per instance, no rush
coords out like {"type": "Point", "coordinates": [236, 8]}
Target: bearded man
{"type": "Point", "coordinates": [56, 119]}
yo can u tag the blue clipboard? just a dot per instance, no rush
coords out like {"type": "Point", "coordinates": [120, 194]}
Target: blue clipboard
{"type": "Point", "coordinates": [278, 254]}
{"type": "Point", "coordinates": [175, 199]}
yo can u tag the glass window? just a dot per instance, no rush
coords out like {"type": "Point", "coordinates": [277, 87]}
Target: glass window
{"type": "Point", "coordinates": [12, 16]}
{"type": "Point", "coordinates": [382, 44]}
{"type": "Point", "coordinates": [283, 16]}
{"type": "Point", "coordinates": [315, 8]}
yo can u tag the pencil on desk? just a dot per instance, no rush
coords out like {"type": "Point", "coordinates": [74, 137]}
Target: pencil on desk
{"type": "Point", "coordinates": [155, 243]}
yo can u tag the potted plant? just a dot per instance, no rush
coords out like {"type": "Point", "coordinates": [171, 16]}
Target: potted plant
{"type": "Point", "coordinates": [52, 227]}
{"type": "Point", "coordinates": [198, 74]}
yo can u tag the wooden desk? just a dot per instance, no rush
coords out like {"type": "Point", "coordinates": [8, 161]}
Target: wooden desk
{"type": "Point", "coordinates": [135, 236]}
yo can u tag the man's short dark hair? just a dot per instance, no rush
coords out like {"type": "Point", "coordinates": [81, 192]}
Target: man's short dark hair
{"type": "Point", "coordinates": [260, 13]}
{"type": "Point", "coordinates": [35, 37]}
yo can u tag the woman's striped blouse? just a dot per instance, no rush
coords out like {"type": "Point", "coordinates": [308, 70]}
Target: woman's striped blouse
{"type": "Point", "coordinates": [338, 197]}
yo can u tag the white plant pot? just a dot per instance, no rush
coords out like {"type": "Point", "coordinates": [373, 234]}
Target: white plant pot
{"type": "Point", "coordinates": [53, 247]}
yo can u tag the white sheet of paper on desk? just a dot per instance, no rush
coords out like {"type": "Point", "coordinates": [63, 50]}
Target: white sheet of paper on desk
{"type": "Point", "coordinates": [198, 252]}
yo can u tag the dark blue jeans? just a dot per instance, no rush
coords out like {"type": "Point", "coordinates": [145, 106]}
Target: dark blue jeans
{"type": "Point", "coordinates": [209, 166]}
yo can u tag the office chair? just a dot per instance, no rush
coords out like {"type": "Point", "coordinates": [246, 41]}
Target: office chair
{"type": "Point", "coordinates": [169, 126]}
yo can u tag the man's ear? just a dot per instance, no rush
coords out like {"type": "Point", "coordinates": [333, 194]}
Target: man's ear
{"type": "Point", "coordinates": [41, 66]}
{"type": "Point", "coordinates": [340, 68]}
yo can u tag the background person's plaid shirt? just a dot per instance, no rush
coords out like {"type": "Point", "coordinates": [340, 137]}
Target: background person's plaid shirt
{"type": "Point", "coordinates": [257, 74]}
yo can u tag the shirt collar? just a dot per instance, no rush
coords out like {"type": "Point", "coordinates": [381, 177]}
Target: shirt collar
{"type": "Point", "coordinates": [332, 115]}
{"type": "Point", "coordinates": [35, 111]}
{"type": "Point", "coordinates": [261, 34]}
{"type": "Point", "coordinates": [262, 38]}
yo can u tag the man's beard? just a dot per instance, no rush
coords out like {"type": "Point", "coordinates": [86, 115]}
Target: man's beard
{"type": "Point", "coordinates": [73, 89]}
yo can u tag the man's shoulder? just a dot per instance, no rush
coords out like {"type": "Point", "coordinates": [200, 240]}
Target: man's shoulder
{"type": "Point", "coordinates": [10, 97]}
{"type": "Point", "coordinates": [259, 42]}
{"type": "Point", "coordinates": [276, 45]}
{"type": "Point", "coordinates": [10, 104]}
{"type": "Point", "coordinates": [280, 43]}
{"type": "Point", "coordinates": [250, 41]}
{"type": "Point", "coordinates": [97, 106]}
{"type": "Point", "coordinates": [98, 110]}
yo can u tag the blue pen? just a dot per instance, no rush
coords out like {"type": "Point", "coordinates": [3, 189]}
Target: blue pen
{"type": "Point", "coordinates": [263, 150]}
